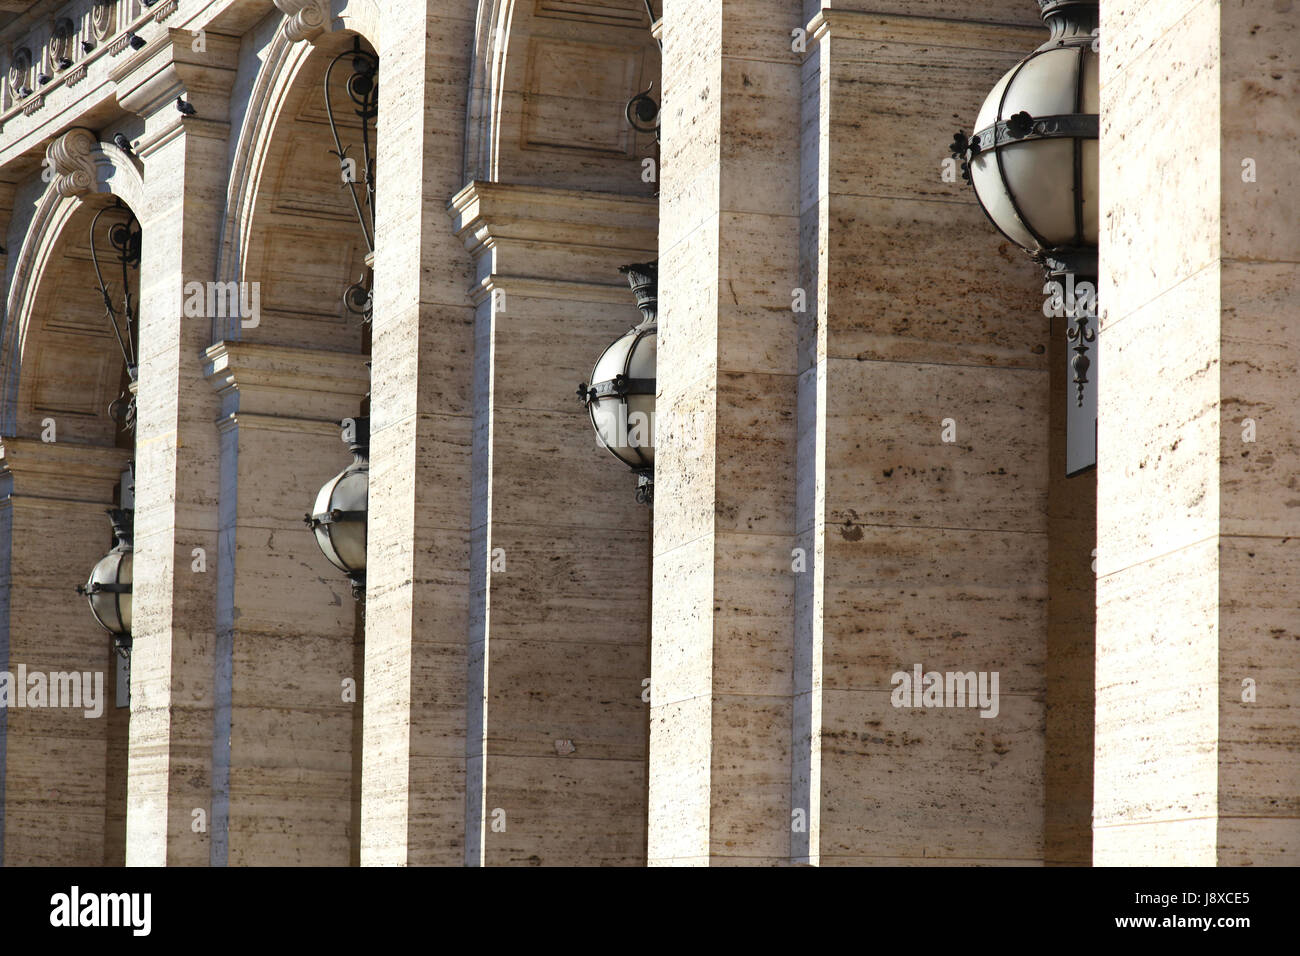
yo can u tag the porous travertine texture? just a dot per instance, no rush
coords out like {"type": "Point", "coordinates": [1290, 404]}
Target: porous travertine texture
{"type": "Point", "coordinates": [418, 594]}
{"type": "Point", "coordinates": [1197, 620]}
{"type": "Point", "coordinates": [923, 466]}
{"type": "Point", "coordinates": [722, 654]}
{"type": "Point", "coordinates": [559, 630]}
{"type": "Point", "coordinates": [177, 453]}
{"type": "Point", "coordinates": [281, 665]}
{"type": "Point", "coordinates": [58, 807]}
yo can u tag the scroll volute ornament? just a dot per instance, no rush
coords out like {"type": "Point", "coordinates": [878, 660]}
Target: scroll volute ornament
{"type": "Point", "coordinates": [305, 19]}
{"type": "Point", "coordinates": [61, 43]}
{"type": "Point", "coordinates": [101, 18]}
{"type": "Point", "coordinates": [20, 70]}
{"type": "Point", "coordinates": [74, 168]}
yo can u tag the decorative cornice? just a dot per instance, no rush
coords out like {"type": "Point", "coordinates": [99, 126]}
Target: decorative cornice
{"type": "Point", "coordinates": [150, 82]}
{"type": "Point", "coordinates": [934, 31]}
{"type": "Point", "coordinates": [69, 157]}
{"type": "Point", "coordinates": [304, 19]}
{"type": "Point", "coordinates": [485, 214]}
{"type": "Point", "coordinates": [63, 470]}
{"type": "Point", "coordinates": [286, 382]}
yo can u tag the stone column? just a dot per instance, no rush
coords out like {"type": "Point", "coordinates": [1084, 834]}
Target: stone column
{"type": "Point", "coordinates": [177, 456]}
{"type": "Point", "coordinates": [286, 620]}
{"type": "Point", "coordinates": [1198, 602]}
{"type": "Point", "coordinates": [924, 465]}
{"type": "Point", "coordinates": [725, 455]}
{"type": "Point", "coordinates": [55, 804]}
{"type": "Point", "coordinates": [417, 576]}
{"type": "Point", "coordinates": [559, 636]}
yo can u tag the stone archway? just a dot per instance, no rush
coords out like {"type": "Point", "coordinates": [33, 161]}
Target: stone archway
{"type": "Point", "coordinates": [286, 378]}
{"type": "Point", "coordinates": [84, 175]}
{"type": "Point", "coordinates": [63, 462]}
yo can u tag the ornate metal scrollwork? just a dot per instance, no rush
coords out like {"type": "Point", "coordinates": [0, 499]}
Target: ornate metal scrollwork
{"type": "Point", "coordinates": [124, 238]}
{"type": "Point", "coordinates": [358, 173]}
{"type": "Point", "coordinates": [643, 110]}
{"type": "Point", "coordinates": [1081, 334]}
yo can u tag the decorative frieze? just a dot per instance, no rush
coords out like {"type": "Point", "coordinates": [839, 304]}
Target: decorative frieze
{"type": "Point", "coordinates": [58, 50]}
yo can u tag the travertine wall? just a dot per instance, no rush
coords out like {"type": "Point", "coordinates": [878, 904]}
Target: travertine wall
{"type": "Point", "coordinates": [177, 452]}
{"type": "Point", "coordinates": [1197, 535]}
{"type": "Point", "coordinates": [281, 665]}
{"type": "Point", "coordinates": [725, 431]}
{"type": "Point", "coordinates": [56, 802]}
{"type": "Point", "coordinates": [925, 424]}
{"type": "Point", "coordinates": [831, 313]}
{"type": "Point", "coordinates": [879, 545]}
{"type": "Point", "coordinates": [559, 639]}
{"type": "Point", "coordinates": [418, 583]}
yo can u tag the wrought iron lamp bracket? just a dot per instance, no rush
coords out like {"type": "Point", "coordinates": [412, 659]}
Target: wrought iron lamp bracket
{"type": "Point", "coordinates": [358, 177]}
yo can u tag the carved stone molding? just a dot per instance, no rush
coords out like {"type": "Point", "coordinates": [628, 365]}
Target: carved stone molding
{"type": "Point", "coordinates": [101, 18]}
{"type": "Point", "coordinates": [20, 69]}
{"type": "Point", "coordinates": [74, 168]}
{"type": "Point", "coordinates": [149, 82]}
{"type": "Point", "coordinates": [304, 19]}
{"type": "Point", "coordinates": [61, 44]}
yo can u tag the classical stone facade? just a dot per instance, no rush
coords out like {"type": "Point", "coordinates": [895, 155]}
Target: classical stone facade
{"type": "Point", "coordinates": [860, 440]}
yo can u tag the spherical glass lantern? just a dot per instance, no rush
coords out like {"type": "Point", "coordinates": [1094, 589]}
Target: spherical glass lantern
{"type": "Point", "coordinates": [340, 514]}
{"type": "Point", "coordinates": [1033, 158]}
{"type": "Point", "coordinates": [109, 587]}
{"type": "Point", "coordinates": [621, 396]}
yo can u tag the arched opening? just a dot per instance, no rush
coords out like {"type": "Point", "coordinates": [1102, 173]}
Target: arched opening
{"type": "Point", "coordinates": [67, 459]}
{"type": "Point", "coordinates": [290, 364]}
{"type": "Point", "coordinates": [300, 239]}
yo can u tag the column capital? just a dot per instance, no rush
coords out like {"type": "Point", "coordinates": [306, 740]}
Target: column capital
{"type": "Point", "coordinates": [65, 470]}
{"type": "Point", "coordinates": [286, 382]}
{"type": "Point", "coordinates": [170, 69]}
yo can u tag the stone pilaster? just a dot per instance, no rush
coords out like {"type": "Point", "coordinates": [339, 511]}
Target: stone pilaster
{"type": "Point", "coordinates": [924, 452]}
{"type": "Point", "coordinates": [1198, 703]}
{"type": "Point", "coordinates": [177, 450]}
{"type": "Point", "coordinates": [721, 704]}
{"type": "Point", "coordinates": [559, 630]}
{"type": "Point", "coordinates": [56, 805]}
{"type": "Point", "coordinates": [417, 577]}
{"type": "Point", "coordinates": [281, 665]}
